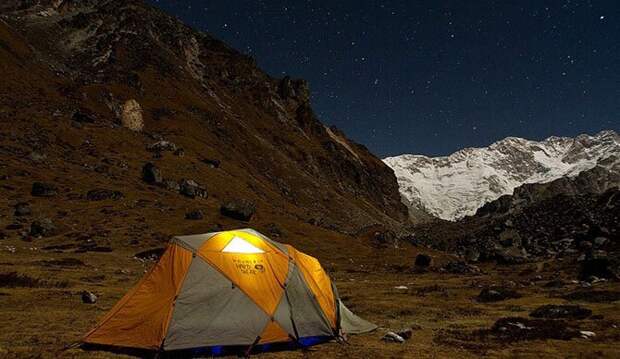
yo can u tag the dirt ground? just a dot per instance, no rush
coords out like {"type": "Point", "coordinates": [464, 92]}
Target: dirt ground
{"type": "Point", "coordinates": [41, 317]}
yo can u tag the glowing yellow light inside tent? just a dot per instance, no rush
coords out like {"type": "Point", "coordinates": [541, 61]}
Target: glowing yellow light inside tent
{"type": "Point", "coordinates": [239, 245]}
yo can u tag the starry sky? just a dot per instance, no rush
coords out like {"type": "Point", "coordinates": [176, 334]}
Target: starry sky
{"type": "Point", "coordinates": [431, 77]}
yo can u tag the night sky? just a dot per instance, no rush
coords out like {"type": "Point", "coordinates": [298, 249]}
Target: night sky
{"type": "Point", "coordinates": [431, 77]}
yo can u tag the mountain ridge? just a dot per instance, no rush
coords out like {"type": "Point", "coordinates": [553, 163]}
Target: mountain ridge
{"type": "Point", "coordinates": [454, 186]}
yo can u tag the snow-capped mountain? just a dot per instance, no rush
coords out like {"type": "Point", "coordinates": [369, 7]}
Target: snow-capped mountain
{"type": "Point", "coordinates": [455, 186]}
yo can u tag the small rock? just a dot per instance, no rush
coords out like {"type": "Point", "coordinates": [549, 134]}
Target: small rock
{"type": "Point", "coordinates": [393, 337]}
{"type": "Point", "coordinates": [401, 287]}
{"type": "Point", "coordinates": [496, 294]}
{"type": "Point", "coordinates": [587, 334]}
{"type": "Point", "coordinates": [213, 163]}
{"type": "Point", "coordinates": [151, 174]}
{"type": "Point", "coordinates": [42, 228]}
{"type": "Point", "coordinates": [194, 215]}
{"type": "Point", "coordinates": [103, 194]}
{"type": "Point", "coordinates": [179, 152]}
{"type": "Point", "coordinates": [22, 209]}
{"type": "Point", "coordinates": [239, 209]}
{"type": "Point", "coordinates": [171, 185]}
{"type": "Point", "coordinates": [41, 189]}
{"type": "Point", "coordinates": [162, 146]}
{"type": "Point", "coordinates": [88, 297]}
{"type": "Point", "coordinates": [423, 261]}
{"type": "Point", "coordinates": [191, 189]}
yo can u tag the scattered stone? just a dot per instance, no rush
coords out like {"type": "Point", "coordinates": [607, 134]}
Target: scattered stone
{"type": "Point", "coordinates": [22, 209]}
{"type": "Point", "coordinates": [191, 189]}
{"type": "Point", "coordinates": [41, 189]}
{"type": "Point", "coordinates": [551, 311]}
{"type": "Point", "coordinates": [194, 215]}
{"type": "Point", "coordinates": [162, 146]}
{"type": "Point", "coordinates": [393, 338]}
{"type": "Point", "coordinates": [103, 194]}
{"type": "Point", "coordinates": [131, 116]}
{"type": "Point", "coordinates": [213, 163]}
{"type": "Point", "coordinates": [496, 294]}
{"type": "Point", "coordinates": [423, 261]}
{"type": "Point", "coordinates": [88, 297]}
{"type": "Point", "coordinates": [151, 174]}
{"type": "Point", "coordinates": [239, 209]}
{"type": "Point", "coordinates": [42, 228]}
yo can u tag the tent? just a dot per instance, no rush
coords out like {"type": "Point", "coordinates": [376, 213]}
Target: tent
{"type": "Point", "coordinates": [232, 288]}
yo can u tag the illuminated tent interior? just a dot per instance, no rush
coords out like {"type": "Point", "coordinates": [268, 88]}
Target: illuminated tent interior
{"type": "Point", "coordinates": [228, 289]}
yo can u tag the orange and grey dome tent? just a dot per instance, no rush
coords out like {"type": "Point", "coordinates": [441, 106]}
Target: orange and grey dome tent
{"type": "Point", "coordinates": [232, 288]}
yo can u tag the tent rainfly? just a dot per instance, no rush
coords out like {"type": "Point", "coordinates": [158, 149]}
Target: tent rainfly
{"type": "Point", "coordinates": [233, 288]}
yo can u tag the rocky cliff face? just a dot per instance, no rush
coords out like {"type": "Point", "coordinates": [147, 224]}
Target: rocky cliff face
{"type": "Point", "coordinates": [92, 84]}
{"type": "Point", "coordinates": [457, 185]}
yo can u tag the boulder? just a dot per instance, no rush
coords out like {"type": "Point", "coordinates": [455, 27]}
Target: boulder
{"type": "Point", "coordinates": [42, 228]}
{"type": "Point", "coordinates": [42, 189]}
{"type": "Point", "coordinates": [131, 115]}
{"type": "Point", "coordinates": [191, 189]}
{"type": "Point", "coordinates": [423, 261]}
{"type": "Point", "coordinates": [496, 294]}
{"type": "Point", "coordinates": [151, 174]}
{"type": "Point", "coordinates": [22, 209]}
{"type": "Point", "coordinates": [103, 194]}
{"type": "Point", "coordinates": [551, 311]}
{"type": "Point", "coordinates": [88, 297]}
{"type": "Point", "coordinates": [194, 215]}
{"type": "Point", "coordinates": [239, 209]}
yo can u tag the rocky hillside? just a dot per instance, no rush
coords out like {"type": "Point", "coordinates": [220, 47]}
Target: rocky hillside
{"type": "Point", "coordinates": [458, 185]}
{"type": "Point", "coordinates": [575, 217]}
{"type": "Point", "coordinates": [117, 101]}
